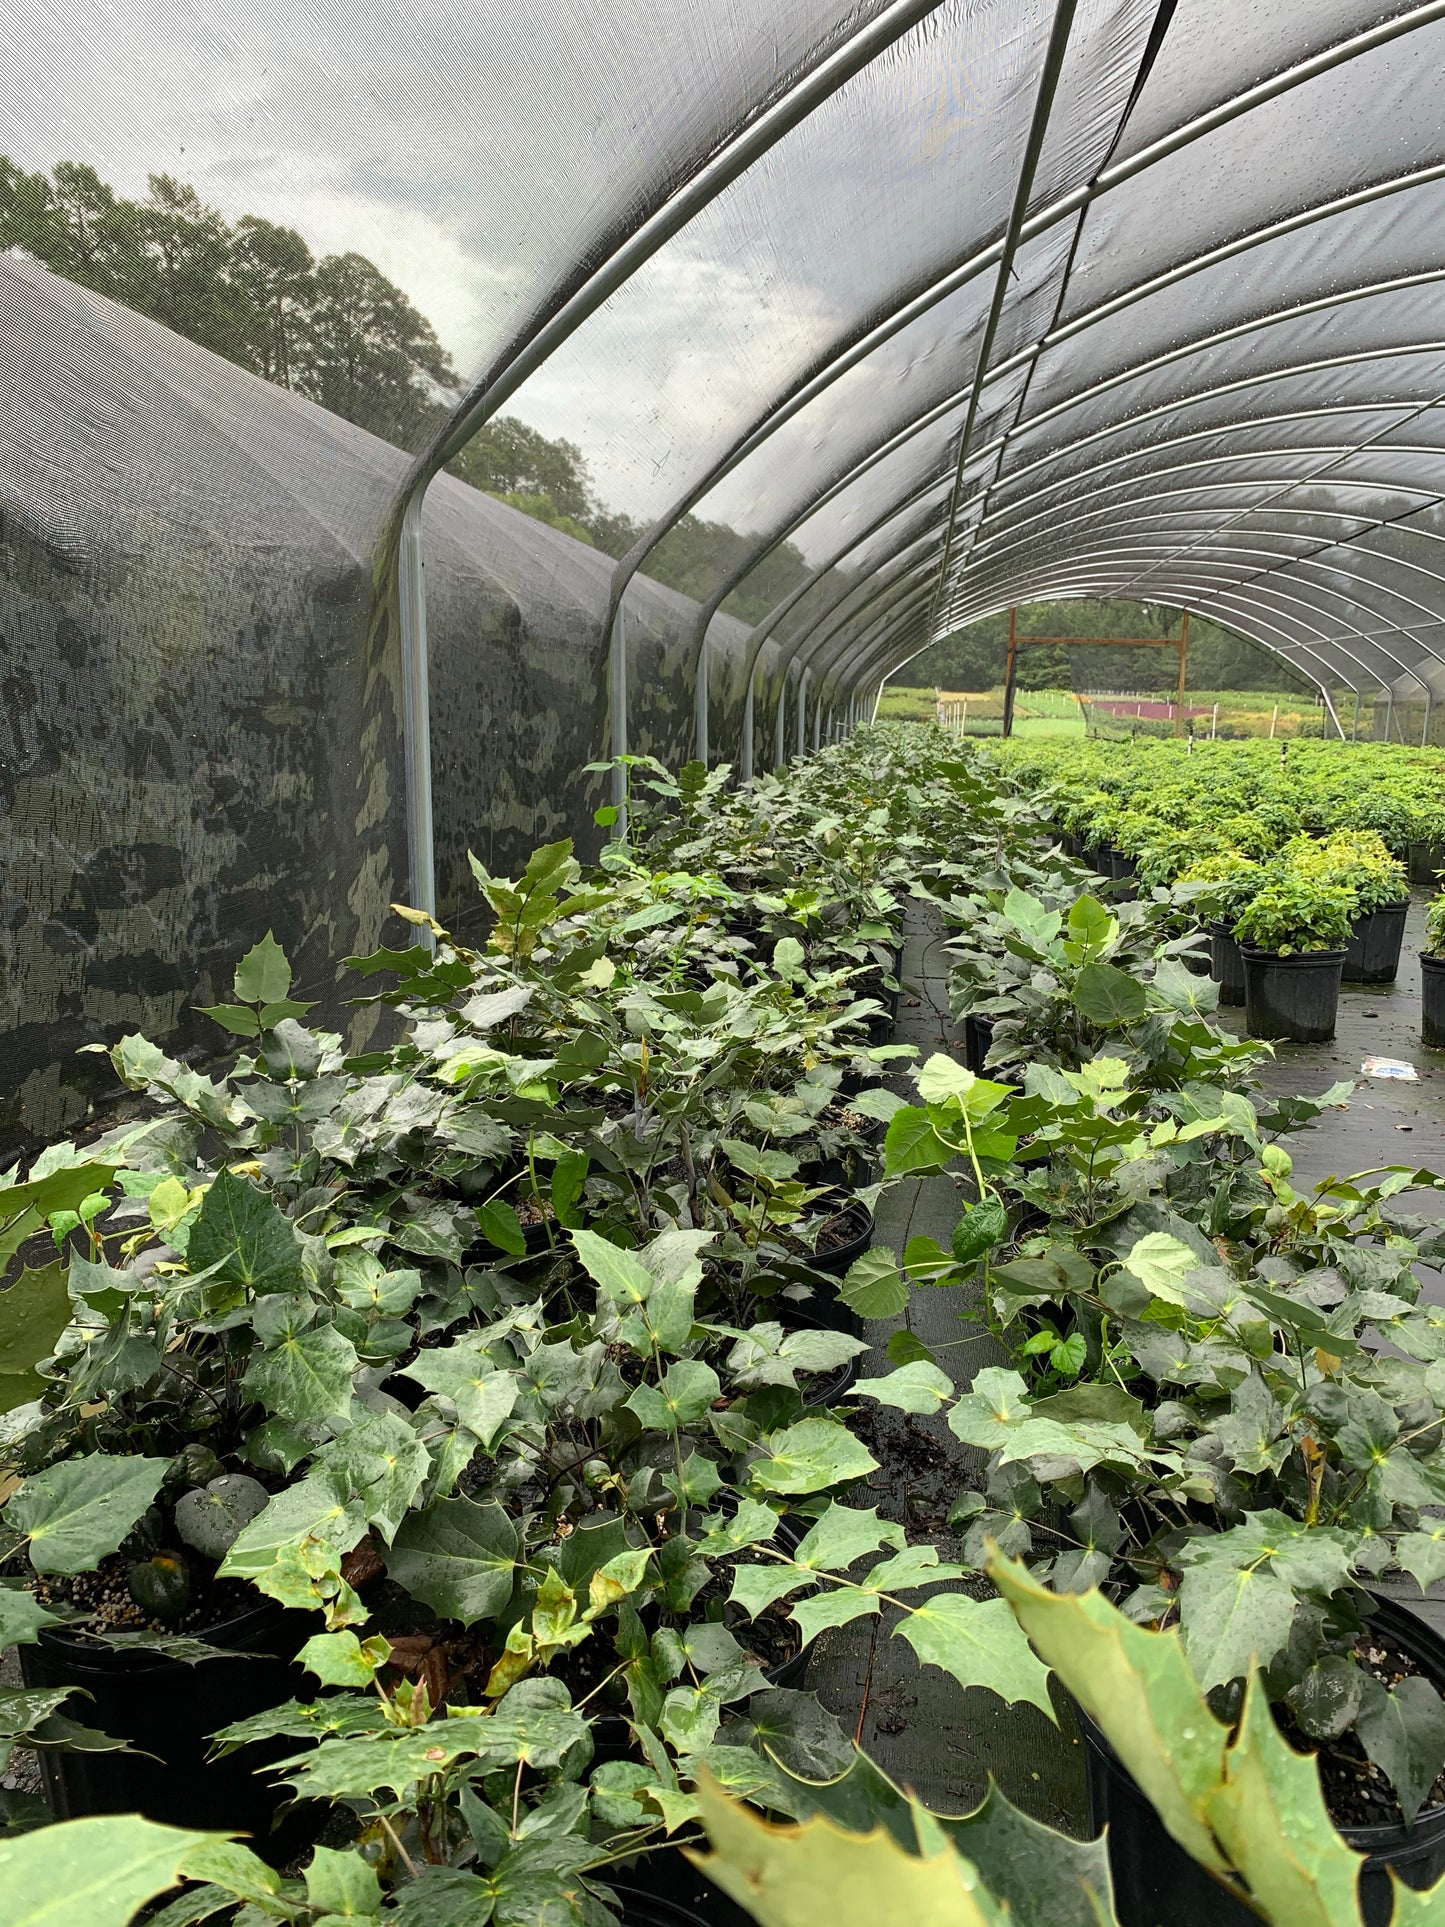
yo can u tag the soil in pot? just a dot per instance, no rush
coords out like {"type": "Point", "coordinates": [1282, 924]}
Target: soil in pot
{"type": "Point", "coordinates": [845, 1234]}
{"type": "Point", "coordinates": [1295, 998]}
{"type": "Point", "coordinates": [1373, 955]}
{"type": "Point", "coordinates": [1226, 963]}
{"type": "Point", "coordinates": [1155, 1880]}
{"type": "Point", "coordinates": [1432, 1002]}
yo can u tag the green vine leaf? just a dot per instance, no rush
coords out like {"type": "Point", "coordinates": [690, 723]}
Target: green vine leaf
{"type": "Point", "coordinates": [77, 1512]}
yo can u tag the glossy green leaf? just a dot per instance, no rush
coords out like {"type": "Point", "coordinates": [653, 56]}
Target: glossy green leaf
{"type": "Point", "coordinates": [874, 1287]}
{"type": "Point", "coordinates": [77, 1512]}
{"type": "Point", "coordinates": [98, 1872]}
{"type": "Point", "coordinates": [682, 1397]}
{"type": "Point", "coordinates": [1139, 1687]}
{"type": "Point", "coordinates": [809, 1457]}
{"type": "Point", "coordinates": [1270, 1818]}
{"type": "Point", "coordinates": [484, 1397]}
{"type": "Point", "coordinates": [263, 975]}
{"type": "Point", "coordinates": [919, 1386]}
{"type": "Point", "coordinates": [1107, 996]}
{"type": "Point", "coordinates": [242, 1236]}
{"type": "Point", "coordinates": [307, 1376]}
{"type": "Point", "coordinates": [457, 1557]}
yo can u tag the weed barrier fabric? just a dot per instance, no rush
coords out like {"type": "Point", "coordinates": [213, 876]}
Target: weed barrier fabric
{"type": "Point", "coordinates": [885, 315]}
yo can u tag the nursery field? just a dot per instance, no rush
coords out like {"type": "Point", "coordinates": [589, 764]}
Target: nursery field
{"type": "Point", "coordinates": [1047, 712]}
{"type": "Point", "coordinates": [1037, 712]}
{"type": "Point", "coordinates": [828, 1276]}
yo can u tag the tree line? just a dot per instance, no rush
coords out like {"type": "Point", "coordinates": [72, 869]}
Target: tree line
{"type": "Point", "coordinates": [976, 657]}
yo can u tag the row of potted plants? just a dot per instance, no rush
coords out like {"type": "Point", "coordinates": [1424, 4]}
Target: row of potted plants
{"type": "Point", "coordinates": [483, 1378]}
{"type": "Point", "coordinates": [1163, 805]}
{"type": "Point", "coordinates": [1306, 857]}
{"type": "Point", "coordinates": [500, 1374]}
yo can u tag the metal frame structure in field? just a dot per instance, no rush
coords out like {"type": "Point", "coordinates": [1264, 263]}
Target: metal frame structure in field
{"type": "Point", "coordinates": [1016, 642]}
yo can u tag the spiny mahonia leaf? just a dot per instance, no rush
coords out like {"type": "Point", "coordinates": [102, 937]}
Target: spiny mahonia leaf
{"type": "Point", "coordinates": [1046, 1879]}
{"type": "Point", "coordinates": [621, 1274]}
{"type": "Point", "coordinates": [100, 1871]}
{"type": "Point", "coordinates": [535, 1730]}
{"type": "Point", "coordinates": [385, 1463]}
{"type": "Point", "coordinates": [1422, 1554]}
{"type": "Point", "coordinates": [319, 1508]}
{"type": "Point", "coordinates": [34, 1311]}
{"type": "Point", "coordinates": [307, 1375]}
{"type": "Point", "coordinates": [263, 976]}
{"type": "Point", "coordinates": [484, 1397]}
{"type": "Point", "coordinates": [458, 1557]}
{"type": "Point", "coordinates": [22, 1617]}
{"type": "Point", "coordinates": [245, 1239]}
{"type": "Point", "coordinates": [1270, 1817]}
{"type": "Point", "coordinates": [792, 1877]}
{"type": "Point", "coordinates": [1139, 1687]}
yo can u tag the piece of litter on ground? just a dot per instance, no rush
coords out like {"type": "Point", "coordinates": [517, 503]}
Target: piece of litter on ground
{"type": "Point", "coordinates": [1395, 1067]}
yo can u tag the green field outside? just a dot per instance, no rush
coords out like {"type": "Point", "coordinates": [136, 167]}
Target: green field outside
{"type": "Point", "coordinates": [1056, 712]}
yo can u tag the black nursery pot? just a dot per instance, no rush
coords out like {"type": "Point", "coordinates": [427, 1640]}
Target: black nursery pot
{"type": "Point", "coordinates": [168, 1711]}
{"type": "Point", "coordinates": [1226, 965]}
{"type": "Point", "coordinates": [1427, 863]}
{"type": "Point", "coordinates": [977, 1042]}
{"type": "Point", "coordinates": [666, 1890]}
{"type": "Point", "coordinates": [1373, 956]}
{"type": "Point", "coordinates": [1156, 1882]}
{"type": "Point", "coordinates": [1432, 1002]}
{"type": "Point", "coordinates": [1292, 997]}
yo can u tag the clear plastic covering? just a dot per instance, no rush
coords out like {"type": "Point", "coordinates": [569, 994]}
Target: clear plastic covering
{"type": "Point", "coordinates": [841, 325]}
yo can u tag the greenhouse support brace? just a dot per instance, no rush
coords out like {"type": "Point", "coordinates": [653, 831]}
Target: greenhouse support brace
{"type": "Point", "coordinates": [617, 664]}
{"type": "Point", "coordinates": [416, 714]}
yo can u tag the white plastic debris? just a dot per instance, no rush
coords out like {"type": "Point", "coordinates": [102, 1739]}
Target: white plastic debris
{"type": "Point", "coordinates": [1395, 1067]}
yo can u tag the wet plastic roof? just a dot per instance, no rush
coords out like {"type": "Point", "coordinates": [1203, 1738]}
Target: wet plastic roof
{"type": "Point", "coordinates": [985, 300]}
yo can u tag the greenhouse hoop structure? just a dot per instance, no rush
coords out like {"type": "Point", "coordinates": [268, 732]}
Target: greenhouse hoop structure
{"type": "Point", "coordinates": [921, 309]}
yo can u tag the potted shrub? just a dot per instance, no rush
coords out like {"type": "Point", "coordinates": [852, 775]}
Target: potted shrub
{"type": "Point", "coordinates": [1293, 937]}
{"type": "Point", "coordinates": [1358, 861]}
{"type": "Point", "coordinates": [1224, 884]}
{"type": "Point", "coordinates": [1432, 971]}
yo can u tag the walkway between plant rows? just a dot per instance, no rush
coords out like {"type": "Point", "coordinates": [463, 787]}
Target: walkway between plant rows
{"type": "Point", "coordinates": [924, 1729]}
